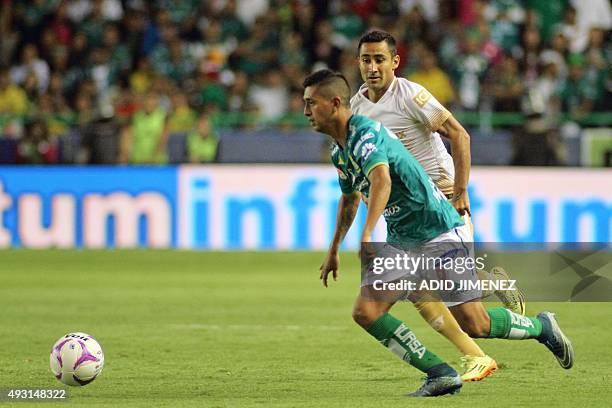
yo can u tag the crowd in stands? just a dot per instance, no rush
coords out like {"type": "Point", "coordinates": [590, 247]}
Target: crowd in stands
{"type": "Point", "coordinates": [134, 81]}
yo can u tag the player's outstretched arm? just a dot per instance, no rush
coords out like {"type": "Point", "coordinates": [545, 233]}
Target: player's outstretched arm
{"type": "Point", "coordinates": [460, 145]}
{"type": "Point", "coordinates": [347, 208]}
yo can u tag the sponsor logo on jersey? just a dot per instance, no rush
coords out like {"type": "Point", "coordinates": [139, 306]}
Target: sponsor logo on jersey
{"type": "Point", "coordinates": [422, 97]}
{"type": "Point", "coordinates": [394, 209]}
{"type": "Point", "coordinates": [367, 150]}
{"type": "Point", "coordinates": [363, 138]}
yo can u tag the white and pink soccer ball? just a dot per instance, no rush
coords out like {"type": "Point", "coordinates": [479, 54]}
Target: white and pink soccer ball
{"type": "Point", "coordinates": [76, 359]}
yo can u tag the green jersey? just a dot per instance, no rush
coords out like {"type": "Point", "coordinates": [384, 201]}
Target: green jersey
{"type": "Point", "coordinates": [147, 131]}
{"type": "Point", "coordinates": [417, 211]}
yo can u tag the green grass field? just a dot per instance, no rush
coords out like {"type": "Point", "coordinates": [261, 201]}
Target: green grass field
{"type": "Point", "coordinates": [256, 330]}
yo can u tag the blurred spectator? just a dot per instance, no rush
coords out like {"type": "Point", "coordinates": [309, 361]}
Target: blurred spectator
{"type": "Point", "coordinates": [132, 28]}
{"type": "Point", "coordinates": [269, 94]}
{"type": "Point", "coordinates": [238, 93]}
{"type": "Point", "coordinates": [292, 51]}
{"type": "Point", "coordinates": [349, 68]}
{"type": "Point", "coordinates": [578, 93]}
{"type": "Point", "coordinates": [231, 26]}
{"type": "Point", "coordinates": [144, 139]}
{"type": "Point", "coordinates": [540, 99]}
{"type": "Point", "coordinates": [31, 87]}
{"type": "Point", "coordinates": [303, 24]}
{"type": "Point", "coordinates": [294, 118]}
{"type": "Point", "coordinates": [125, 105]}
{"type": "Point", "coordinates": [212, 93]}
{"type": "Point", "coordinates": [557, 54]}
{"type": "Point", "coordinates": [470, 68]}
{"type": "Point", "coordinates": [29, 18]}
{"type": "Point", "coordinates": [84, 108]}
{"type": "Point", "coordinates": [152, 33]}
{"type": "Point", "coordinates": [214, 51]}
{"type": "Point", "coordinates": [326, 53]}
{"type": "Point", "coordinates": [93, 24]}
{"type": "Point", "coordinates": [416, 25]}
{"type": "Point", "coordinates": [548, 13]}
{"type": "Point", "coordinates": [60, 23]}
{"type": "Point", "coordinates": [568, 27]}
{"type": "Point", "coordinates": [346, 24]}
{"type": "Point", "coordinates": [259, 52]}
{"type": "Point", "coordinates": [31, 64]}
{"type": "Point", "coordinates": [78, 48]}
{"type": "Point", "coordinates": [529, 55]}
{"type": "Point", "coordinates": [177, 64]}
{"type": "Point", "coordinates": [450, 45]}
{"type": "Point", "coordinates": [78, 10]}
{"type": "Point", "coordinates": [249, 10]}
{"type": "Point", "coordinates": [47, 43]}
{"type": "Point", "coordinates": [120, 55]}
{"type": "Point", "coordinates": [142, 77]}
{"type": "Point", "coordinates": [100, 139]}
{"type": "Point", "coordinates": [100, 69]}
{"type": "Point", "coordinates": [36, 146]}
{"type": "Point", "coordinates": [434, 79]}
{"type": "Point", "coordinates": [536, 144]}
{"type": "Point", "coordinates": [8, 37]}
{"type": "Point", "coordinates": [507, 87]}
{"type": "Point", "coordinates": [597, 66]}
{"type": "Point", "coordinates": [202, 143]}
{"type": "Point", "coordinates": [182, 118]}
{"type": "Point", "coordinates": [429, 8]}
{"type": "Point", "coordinates": [13, 99]}
{"type": "Point", "coordinates": [590, 14]}
{"type": "Point", "coordinates": [505, 16]}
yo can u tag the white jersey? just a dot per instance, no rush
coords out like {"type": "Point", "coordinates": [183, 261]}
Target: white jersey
{"type": "Point", "coordinates": [411, 112]}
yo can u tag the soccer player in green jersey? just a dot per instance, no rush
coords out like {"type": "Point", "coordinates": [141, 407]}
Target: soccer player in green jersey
{"type": "Point", "coordinates": [418, 119]}
{"type": "Point", "coordinates": [370, 160]}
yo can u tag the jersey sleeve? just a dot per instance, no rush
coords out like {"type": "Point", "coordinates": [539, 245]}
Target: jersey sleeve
{"type": "Point", "coordinates": [343, 179]}
{"type": "Point", "coordinates": [370, 152]}
{"type": "Point", "coordinates": [423, 106]}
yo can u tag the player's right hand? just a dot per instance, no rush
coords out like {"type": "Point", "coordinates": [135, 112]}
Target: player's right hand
{"type": "Point", "coordinates": [330, 264]}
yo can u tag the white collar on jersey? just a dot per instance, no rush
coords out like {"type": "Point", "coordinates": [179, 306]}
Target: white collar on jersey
{"type": "Point", "coordinates": [363, 91]}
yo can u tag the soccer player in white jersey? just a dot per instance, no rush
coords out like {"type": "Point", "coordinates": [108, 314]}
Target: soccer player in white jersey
{"type": "Point", "coordinates": [418, 119]}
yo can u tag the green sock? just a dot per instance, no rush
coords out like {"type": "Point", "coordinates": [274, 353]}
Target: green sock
{"type": "Point", "coordinates": [508, 325]}
{"type": "Point", "coordinates": [402, 342]}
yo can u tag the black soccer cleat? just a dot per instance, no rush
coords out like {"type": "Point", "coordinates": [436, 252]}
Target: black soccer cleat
{"type": "Point", "coordinates": [434, 386]}
{"type": "Point", "coordinates": [554, 339]}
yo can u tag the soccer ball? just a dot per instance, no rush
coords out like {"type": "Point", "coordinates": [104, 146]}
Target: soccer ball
{"type": "Point", "coordinates": [76, 359]}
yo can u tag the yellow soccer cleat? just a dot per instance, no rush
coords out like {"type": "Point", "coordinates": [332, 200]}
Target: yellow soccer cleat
{"type": "Point", "coordinates": [513, 300]}
{"type": "Point", "coordinates": [477, 368]}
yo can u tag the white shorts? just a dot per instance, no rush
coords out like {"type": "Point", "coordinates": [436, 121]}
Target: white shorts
{"type": "Point", "coordinates": [446, 263]}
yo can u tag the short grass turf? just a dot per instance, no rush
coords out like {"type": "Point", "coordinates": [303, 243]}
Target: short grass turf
{"type": "Point", "coordinates": [256, 330]}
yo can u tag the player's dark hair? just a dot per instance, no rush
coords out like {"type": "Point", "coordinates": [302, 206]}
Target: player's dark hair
{"type": "Point", "coordinates": [378, 36]}
{"type": "Point", "coordinates": [334, 81]}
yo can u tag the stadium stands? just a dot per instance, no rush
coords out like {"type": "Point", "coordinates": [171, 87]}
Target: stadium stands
{"type": "Point", "coordinates": [84, 67]}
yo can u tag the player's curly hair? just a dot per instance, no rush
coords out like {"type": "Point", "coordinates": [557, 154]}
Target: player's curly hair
{"type": "Point", "coordinates": [332, 80]}
{"type": "Point", "coordinates": [378, 36]}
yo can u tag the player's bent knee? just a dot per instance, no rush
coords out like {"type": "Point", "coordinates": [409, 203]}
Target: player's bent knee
{"type": "Point", "coordinates": [364, 316]}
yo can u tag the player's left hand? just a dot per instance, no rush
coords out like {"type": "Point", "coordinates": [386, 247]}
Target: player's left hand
{"type": "Point", "coordinates": [330, 264]}
{"type": "Point", "coordinates": [461, 202]}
